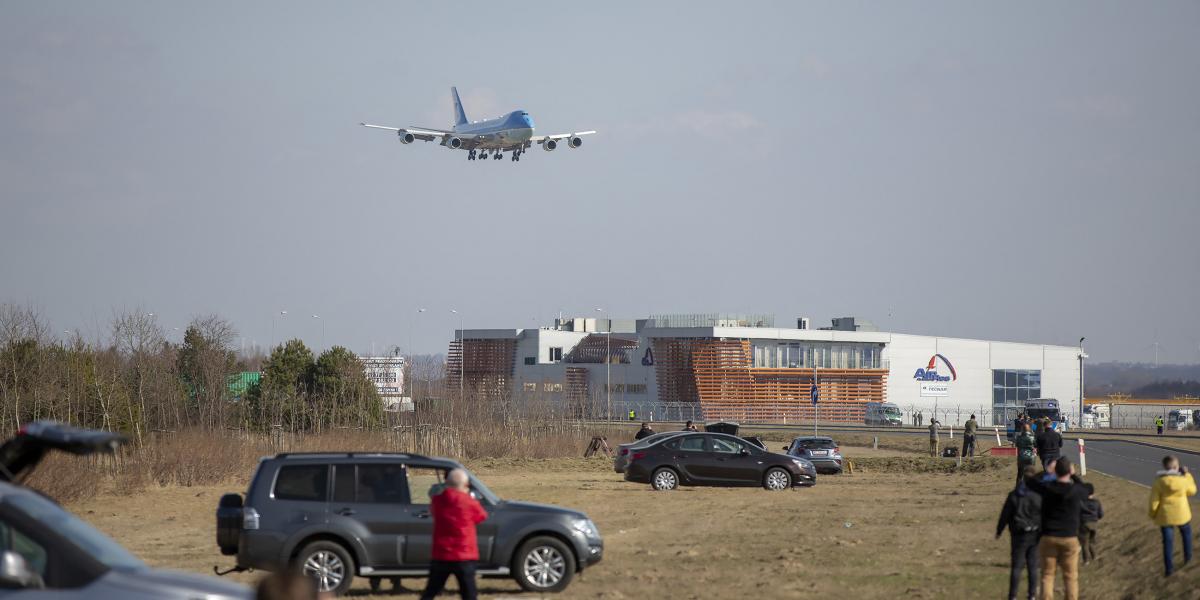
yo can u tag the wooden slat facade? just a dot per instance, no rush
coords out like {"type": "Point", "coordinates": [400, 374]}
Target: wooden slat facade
{"type": "Point", "coordinates": [720, 375]}
{"type": "Point", "coordinates": [486, 366]}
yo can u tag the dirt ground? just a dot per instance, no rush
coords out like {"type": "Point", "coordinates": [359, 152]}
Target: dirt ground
{"type": "Point", "coordinates": [888, 530]}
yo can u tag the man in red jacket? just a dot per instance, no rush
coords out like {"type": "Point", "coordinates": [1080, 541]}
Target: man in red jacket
{"type": "Point", "coordinates": [455, 549]}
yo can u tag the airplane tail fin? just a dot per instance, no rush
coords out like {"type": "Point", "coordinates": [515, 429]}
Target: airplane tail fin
{"type": "Point", "coordinates": [460, 116]}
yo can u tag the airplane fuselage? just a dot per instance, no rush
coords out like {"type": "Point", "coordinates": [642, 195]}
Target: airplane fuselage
{"type": "Point", "coordinates": [513, 129]}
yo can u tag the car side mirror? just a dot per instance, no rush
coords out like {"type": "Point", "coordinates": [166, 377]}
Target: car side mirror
{"type": "Point", "coordinates": [785, 448]}
{"type": "Point", "coordinates": [745, 452]}
{"type": "Point", "coordinates": [15, 572]}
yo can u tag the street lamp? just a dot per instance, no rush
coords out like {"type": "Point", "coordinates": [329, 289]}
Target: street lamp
{"type": "Point", "coordinates": [411, 372]}
{"type": "Point", "coordinates": [282, 314]}
{"type": "Point", "coordinates": [1081, 357]}
{"type": "Point", "coordinates": [607, 363]}
{"type": "Point", "coordinates": [462, 355]}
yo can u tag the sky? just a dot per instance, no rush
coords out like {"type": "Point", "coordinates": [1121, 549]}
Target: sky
{"type": "Point", "coordinates": [1017, 171]}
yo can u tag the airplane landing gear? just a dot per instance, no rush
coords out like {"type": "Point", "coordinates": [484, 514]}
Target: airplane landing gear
{"type": "Point", "coordinates": [471, 155]}
{"type": "Point", "coordinates": [498, 155]}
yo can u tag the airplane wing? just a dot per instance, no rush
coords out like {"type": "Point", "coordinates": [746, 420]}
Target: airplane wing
{"type": "Point", "coordinates": [423, 134]}
{"type": "Point", "coordinates": [538, 139]}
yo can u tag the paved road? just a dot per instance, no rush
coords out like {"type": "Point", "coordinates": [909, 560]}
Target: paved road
{"type": "Point", "coordinates": [1135, 462]}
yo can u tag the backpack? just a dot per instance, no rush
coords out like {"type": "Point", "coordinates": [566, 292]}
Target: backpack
{"type": "Point", "coordinates": [949, 452]}
{"type": "Point", "coordinates": [1028, 515]}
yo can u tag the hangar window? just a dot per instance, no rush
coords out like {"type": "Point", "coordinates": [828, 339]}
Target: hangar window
{"type": "Point", "coordinates": [1011, 388]}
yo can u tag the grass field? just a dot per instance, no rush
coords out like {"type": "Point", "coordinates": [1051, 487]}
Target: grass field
{"type": "Point", "coordinates": [900, 526]}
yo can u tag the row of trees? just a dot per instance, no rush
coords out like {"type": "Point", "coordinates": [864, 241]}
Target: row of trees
{"type": "Point", "coordinates": [137, 381]}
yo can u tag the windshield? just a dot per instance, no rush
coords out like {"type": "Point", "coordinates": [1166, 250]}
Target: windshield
{"type": "Point", "coordinates": [891, 411]}
{"type": "Point", "coordinates": [1038, 413]}
{"type": "Point", "coordinates": [96, 544]}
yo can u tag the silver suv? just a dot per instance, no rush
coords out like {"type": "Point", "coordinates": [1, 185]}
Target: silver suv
{"type": "Point", "coordinates": [46, 552]}
{"type": "Point", "coordinates": [340, 515]}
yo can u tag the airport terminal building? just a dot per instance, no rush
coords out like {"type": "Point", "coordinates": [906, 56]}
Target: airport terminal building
{"type": "Point", "coordinates": [743, 367]}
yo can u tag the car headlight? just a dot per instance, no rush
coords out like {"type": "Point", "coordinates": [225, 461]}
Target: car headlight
{"type": "Point", "coordinates": [586, 527]}
{"type": "Point", "coordinates": [803, 464]}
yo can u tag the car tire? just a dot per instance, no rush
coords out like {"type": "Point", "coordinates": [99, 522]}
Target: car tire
{"type": "Point", "coordinates": [329, 564]}
{"type": "Point", "coordinates": [544, 564]}
{"type": "Point", "coordinates": [664, 479]}
{"type": "Point", "coordinates": [777, 479]}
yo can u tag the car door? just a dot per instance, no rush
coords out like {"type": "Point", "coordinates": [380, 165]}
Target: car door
{"type": "Point", "coordinates": [735, 462]}
{"type": "Point", "coordinates": [370, 495]}
{"type": "Point", "coordinates": [299, 499]}
{"type": "Point", "coordinates": [692, 456]}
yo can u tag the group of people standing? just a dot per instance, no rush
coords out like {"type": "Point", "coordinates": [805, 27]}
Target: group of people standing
{"type": "Point", "coordinates": [1052, 517]}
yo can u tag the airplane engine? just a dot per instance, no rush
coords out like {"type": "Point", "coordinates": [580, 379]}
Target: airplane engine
{"type": "Point", "coordinates": [549, 145]}
{"type": "Point", "coordinates": [454, 143]}
{"type": "Point", "coordinates": [574, 142]}
{"type": "Point", "coordinates": [406, 138]}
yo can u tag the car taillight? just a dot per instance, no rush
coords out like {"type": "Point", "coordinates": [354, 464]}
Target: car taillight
{"type": "Point", "coordinates": [638, 456]}
{"type": "Point", "coordinates": [624, 451]}
{"type": "Point", "coordinates": [837, 450]}
{"type": "Point", "coordinates": [249, 518]}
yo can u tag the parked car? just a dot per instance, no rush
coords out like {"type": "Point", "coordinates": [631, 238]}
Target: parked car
{"type": "Point", "coordinates": [621, 455]}
{"type": "Point", "coordinates": [715, 459]}
{"type": "Point", "coordinates": [47, 552]}
{"type": "Point", "coordinates": [338, 515]}
{"type": "Point", "coordinates": [821, 451]}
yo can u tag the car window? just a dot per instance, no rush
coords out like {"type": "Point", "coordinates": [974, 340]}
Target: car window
{"type": "Point", "coordinates": [96, 544]}
{"type": "Point", "coordinates": [726, 445]}
{"type": "Point", "coordinates": [381, 484]}
{"type": "Point", "coordinates": [32, 552]}
{"type": "Point", "coordinates": [343, 483]}
{"type": "Point", "coordinates": [421, 481]}
{"type": "Point", "coordinates": [815, 444]}
{"type": "Point", "coordinates": [693, 443]}
{"type": "Point", "coordinates": [302, 482]}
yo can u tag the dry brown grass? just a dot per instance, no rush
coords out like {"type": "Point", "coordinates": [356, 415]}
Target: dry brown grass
{"type": "Point", "coordinates": [874, 534]}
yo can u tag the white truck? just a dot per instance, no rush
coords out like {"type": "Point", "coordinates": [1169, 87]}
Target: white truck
{"type": "Point", "coordinates": [1097, 416]}
{"type": "Point", "coordinates": [883, 414]}
{"type": "Point", "coordinates": [1179, 418]}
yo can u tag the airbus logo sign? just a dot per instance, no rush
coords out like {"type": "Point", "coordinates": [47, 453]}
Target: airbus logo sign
{"type": "Point", "coordinates": [930, 372]}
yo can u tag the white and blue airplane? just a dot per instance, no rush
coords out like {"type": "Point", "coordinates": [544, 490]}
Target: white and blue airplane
{"type": "Point", "coordinates": [512, 132]}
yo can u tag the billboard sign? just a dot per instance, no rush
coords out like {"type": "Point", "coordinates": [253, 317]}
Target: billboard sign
{"type": "Point", "coordinates": [934, 389]}
{"type": "Point", "coordinates": [387, 373]}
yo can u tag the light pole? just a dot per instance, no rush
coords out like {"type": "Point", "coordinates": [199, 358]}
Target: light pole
{"type": "Point", "coordinates": [1081, 357]}
{"type": "Point", "coordinates": [462, 355]}
{"type": "Point", "coordinates": [282, 314]}
{"type": "Point", "coordinates": [318, 317]}
{"type": "Point", "coordinates": [412, 380]}
{"type": "Point", "coordinates": [607, 362]}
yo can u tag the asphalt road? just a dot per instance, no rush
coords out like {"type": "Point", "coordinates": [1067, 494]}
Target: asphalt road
{"type": "Point", "coordinates": [1135, 462]}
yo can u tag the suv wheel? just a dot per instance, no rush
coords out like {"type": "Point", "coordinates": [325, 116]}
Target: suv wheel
{"type": "Point", "coordinates": [664, 479]}
{"type": "Point", "coordinates": [777, 479]}
{"type": "Point", "coordinates": [329, 564]}
{"type": "Point", "coordinates": [544, 564]}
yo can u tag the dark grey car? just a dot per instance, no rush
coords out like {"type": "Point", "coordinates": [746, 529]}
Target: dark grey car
{"type": "Point", "coordinates": [337, 516]}
{"type": "Point", "coordinates": [821, 451]}
{"type": "Point", "coordinates": [47, 552]}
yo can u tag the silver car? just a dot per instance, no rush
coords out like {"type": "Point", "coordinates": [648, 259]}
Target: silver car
{"type": "Point", "coordinates": [47, 552]}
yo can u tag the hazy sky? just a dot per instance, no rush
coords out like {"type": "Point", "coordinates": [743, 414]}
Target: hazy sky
{"type": "Point", "coordinates": [1020, 171]}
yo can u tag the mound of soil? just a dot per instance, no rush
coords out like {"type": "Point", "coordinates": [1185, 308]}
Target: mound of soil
{"type": "Point", "coordinates": [926, 464]}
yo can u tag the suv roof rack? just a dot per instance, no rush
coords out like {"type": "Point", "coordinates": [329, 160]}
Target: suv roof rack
{"type": "Point", "coordinates": [351, 455]}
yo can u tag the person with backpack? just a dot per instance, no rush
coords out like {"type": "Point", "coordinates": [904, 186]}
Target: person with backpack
{"type": "Point", "coordinates": [1022, 515]}
{"type": "Point", "coordinates": [1091, 512]}
{"type": "Point", "coordinates": [1026, 448]}
{"type": "Point", "coordinates": [1058, 547]}
{"type": "Point", "coordinates": [1169, 509]}
{"type": "Point", "coordinates": [1049, 443]}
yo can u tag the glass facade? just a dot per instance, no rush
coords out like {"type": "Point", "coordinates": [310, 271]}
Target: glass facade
{"type": "Point", "coordinates": [824, 355]}
{"type": "Point", "coordinates": [1011, 388]}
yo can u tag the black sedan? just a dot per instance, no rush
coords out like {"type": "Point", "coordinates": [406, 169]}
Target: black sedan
{"type": "Point", "coordinates": [715, 459]}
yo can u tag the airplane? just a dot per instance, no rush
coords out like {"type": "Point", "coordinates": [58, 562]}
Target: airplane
{"type": "Point", "coordinates": [512, 132]}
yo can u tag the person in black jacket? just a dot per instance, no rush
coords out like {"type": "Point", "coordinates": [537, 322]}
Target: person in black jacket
{"type": "Point", "coordinates": [1089, 514]}
{"type": "Point", "coordinates": [1049, 443]}
{"type": "Point", "coordinates": [1022, 515]}
{"type": "Point", "coordinates": [643, 432]}
{"type": "Point", "coordinates": [1062, 503]}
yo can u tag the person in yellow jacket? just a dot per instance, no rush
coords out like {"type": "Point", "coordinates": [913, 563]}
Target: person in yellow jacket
{"type": "Point", "coordinates": [1169, 508]}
